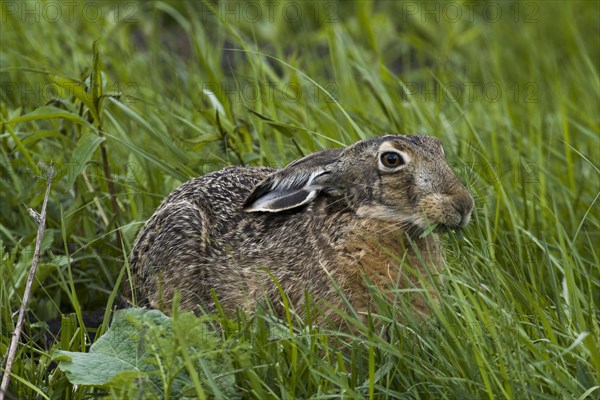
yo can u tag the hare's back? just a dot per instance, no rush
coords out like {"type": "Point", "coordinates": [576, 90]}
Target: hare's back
{"type": "Point", "coordinates": [200, 210]}
{"type": "Point", "coordinates": [227, 188]}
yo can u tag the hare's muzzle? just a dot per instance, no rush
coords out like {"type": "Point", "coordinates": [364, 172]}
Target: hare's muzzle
{"type": "Point", "coordinates": [447, 211]}
{"type": "Point", "coordinates": [464, 206]}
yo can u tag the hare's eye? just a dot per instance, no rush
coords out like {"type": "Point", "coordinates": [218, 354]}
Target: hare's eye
{"type": "Point", "coordinates": [391, 160]}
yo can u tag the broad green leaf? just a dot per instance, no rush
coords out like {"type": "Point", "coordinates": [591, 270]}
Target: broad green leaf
{"type": "Point", "coordinates": [86, 146]}
{"type": "Point", "coordinates": [43, 134]}
{"type": "Point", "coordinates": [77, 89]}
{"type": "Point", "coordinates": [147, 345]}
{"type": "Point", "coordinates": [96, 78]}
{"type": "Point", "coordinates": [49, 112]}
{"type": "Point", "coordinates": [116, 358]}
{"type": "Point", "coordinates": [96, 369]}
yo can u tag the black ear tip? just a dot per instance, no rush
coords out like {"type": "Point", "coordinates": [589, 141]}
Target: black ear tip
{"type": "Point", "coordinates": [249, 200]}
{"type": "Point", "coordinates": [247, 204]}
{"type": "Point", "coordinates": [257, 191]}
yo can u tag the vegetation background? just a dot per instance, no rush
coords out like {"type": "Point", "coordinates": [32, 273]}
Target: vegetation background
{"type": "Point", "coordinates": [129, 99]}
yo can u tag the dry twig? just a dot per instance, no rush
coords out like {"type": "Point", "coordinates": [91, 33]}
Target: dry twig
{"type": "Point", "coordinates": [12, 350]}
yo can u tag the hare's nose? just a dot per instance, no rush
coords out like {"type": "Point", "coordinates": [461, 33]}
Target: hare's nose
{"type": "Point", "coordinates": [464, 206]}
{"type": "Point", "coordinates": [464, 220]}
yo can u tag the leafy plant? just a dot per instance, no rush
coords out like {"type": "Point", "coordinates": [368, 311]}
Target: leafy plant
{"type": "Point", "coordinates": [145, 353]}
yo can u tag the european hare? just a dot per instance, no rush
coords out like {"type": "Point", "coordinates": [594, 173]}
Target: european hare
{"type": "Point", "coordinates": [339, 215]}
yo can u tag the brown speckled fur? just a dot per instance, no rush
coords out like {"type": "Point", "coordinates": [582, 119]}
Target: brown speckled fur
{"type": "Point", "coordinates": [207, 236]}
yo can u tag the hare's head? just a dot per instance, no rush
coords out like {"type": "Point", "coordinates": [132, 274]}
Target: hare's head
{"type": "Point", "coordinates": [400, 179]}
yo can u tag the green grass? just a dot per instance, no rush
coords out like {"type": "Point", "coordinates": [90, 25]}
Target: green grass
{"type": "Point", "coordinates": [513, 97]}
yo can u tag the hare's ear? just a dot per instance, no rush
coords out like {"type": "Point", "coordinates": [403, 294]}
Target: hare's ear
{"type": "Point", "coordinates": [280, 191]}
{"type": "Point", "coordinates": [297, 184]}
